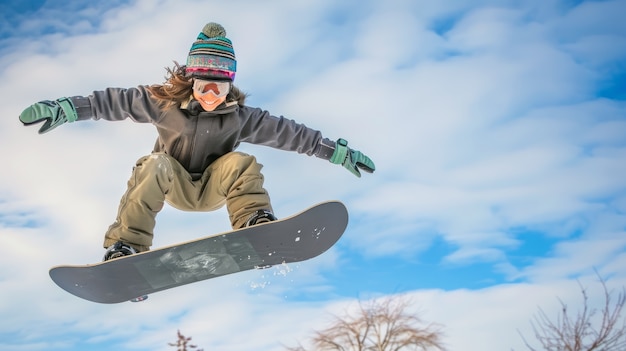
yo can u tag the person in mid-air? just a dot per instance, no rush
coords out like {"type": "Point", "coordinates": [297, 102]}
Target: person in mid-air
{"type": "Point", "coordinates": [201, 118]}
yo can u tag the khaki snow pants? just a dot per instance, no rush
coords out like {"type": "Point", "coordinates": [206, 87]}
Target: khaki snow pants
{"type": "Point", "coordinates": [234, 179]}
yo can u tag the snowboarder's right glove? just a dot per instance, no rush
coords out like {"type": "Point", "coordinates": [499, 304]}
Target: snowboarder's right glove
{"type": "Point", "coordinates": [54, 113]}
{"type": "Point", "coordinates": [350, 159]}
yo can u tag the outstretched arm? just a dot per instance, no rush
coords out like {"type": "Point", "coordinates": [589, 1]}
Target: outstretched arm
{"type": "Point", "coordinates": [285, 134]}
{"type": "Point", "coordinates": [112, 104]}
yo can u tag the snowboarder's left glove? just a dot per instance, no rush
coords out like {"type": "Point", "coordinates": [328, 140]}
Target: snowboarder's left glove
{"type": "Point", "coordinates": [54, 113]}
{"type": "Point", "coordinates": [352, 160]}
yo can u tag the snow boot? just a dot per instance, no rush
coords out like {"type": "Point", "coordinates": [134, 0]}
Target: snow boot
{"type": "Point", "coordinates": [117, 250]}
{"type": "Point", "coordinates": [260, 216]}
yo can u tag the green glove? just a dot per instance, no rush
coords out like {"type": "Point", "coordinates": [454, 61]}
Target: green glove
{"type": "Point", "coordinates": [54, 113]}
{"type": "Point", "coordinates": [352, 160]}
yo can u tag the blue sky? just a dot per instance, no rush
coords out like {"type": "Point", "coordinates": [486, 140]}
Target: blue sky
{"type": "Point", "coordinates": [498, 129]}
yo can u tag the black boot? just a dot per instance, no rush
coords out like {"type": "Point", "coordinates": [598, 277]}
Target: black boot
{"type": "Point", "coordinates": [260, 216]}
{"type": "Point", "coordinates": [117, 250]}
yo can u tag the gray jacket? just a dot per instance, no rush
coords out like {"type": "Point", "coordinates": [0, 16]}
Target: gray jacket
{"type": "Point", "coordinates": [195, 137]}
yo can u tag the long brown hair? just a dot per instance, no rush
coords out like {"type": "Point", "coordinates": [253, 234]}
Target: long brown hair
{"type": "Point", "coordinates": [178, 88]}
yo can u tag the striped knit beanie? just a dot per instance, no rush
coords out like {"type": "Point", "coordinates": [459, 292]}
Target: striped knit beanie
{"type": "Point", "coordinates": [212, 56]}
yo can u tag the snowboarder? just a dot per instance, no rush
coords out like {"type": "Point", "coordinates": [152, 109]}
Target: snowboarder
{"type": "Point", "coordinates": [201, 119]}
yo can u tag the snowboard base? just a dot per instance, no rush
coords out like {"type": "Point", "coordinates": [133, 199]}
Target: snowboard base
{"type": "Point", "coordinates": [297, 238]}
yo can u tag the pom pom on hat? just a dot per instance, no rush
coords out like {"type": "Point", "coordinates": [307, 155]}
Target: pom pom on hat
{"type": "Point", "coordinates": [213, 29]}
{"type": "Point", "coordinates": [212, 56]}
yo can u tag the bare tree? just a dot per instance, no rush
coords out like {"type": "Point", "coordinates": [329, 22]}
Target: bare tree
{"type": "Point", "coordinates": [586, 331]}
{"type": "Point", "coordinates": [182, 344]}
{"type": "Point", "coordinates": [382, 325]}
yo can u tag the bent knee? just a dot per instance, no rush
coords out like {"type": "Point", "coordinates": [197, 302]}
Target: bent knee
{"type": "Point", "coordinates": [240, 160]}
{"type": "Point", "coordinates": [158, 163]}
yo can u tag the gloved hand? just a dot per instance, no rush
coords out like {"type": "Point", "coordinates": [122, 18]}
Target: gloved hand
{"type": "Point", "coordinates": [350, 159]}
{"type": "Point", "coordinates": [54, 113]}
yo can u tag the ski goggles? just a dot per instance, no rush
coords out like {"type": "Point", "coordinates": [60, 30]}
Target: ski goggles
{"type": "Point", "coordinates": [219, 88]}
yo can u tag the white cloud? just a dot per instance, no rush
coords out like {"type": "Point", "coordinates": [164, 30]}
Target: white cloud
{"type": "Point", "coordinates": [481, 118]}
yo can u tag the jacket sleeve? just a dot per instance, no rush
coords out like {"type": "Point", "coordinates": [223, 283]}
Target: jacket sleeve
{"type": "Point", "coordinates": [116, 104]}
{"type": "Point", "coordinates": [262, 128]}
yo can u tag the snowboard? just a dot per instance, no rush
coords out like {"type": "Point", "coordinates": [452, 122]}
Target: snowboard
{"type": "Point", "coordinates": [297, 238]}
